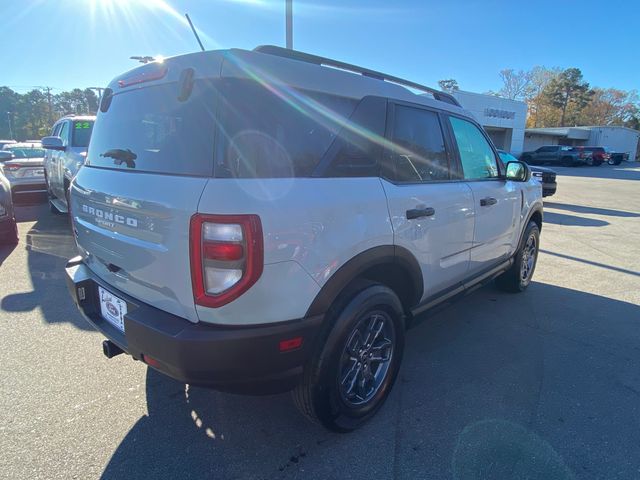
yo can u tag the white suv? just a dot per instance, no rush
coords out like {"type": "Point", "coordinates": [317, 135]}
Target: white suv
{"type": "Point", "coordinates": [259, 221]}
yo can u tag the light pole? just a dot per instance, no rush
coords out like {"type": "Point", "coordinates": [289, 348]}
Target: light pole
{"type": "Point", "coordinates": [289, 22]}
{"type": "Point", "coordinates": [9, 122]}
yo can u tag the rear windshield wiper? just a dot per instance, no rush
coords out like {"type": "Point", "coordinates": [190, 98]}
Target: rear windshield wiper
{"type": "Point", "coordinates": [121, 156]}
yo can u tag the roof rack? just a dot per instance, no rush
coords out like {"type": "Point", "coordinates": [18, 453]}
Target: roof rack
{"type": "Point", "coordinates": [315, 59]}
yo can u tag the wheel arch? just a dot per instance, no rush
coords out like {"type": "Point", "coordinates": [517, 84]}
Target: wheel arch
{"type": "Point", "coordinates": [389, 265]}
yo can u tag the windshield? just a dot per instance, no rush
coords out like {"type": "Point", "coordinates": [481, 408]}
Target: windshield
{"type": "Point", "coordinates": [81, 133]}
{"type": "Point", "coordinates": [150, 130]}
{"type": "Point", "coordinates": [26, 152]}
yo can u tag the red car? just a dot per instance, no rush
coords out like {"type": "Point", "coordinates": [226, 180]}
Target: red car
{"type": "Point", "coordinates": [599, 154]}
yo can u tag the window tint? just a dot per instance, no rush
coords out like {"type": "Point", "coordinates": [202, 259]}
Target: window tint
{"type": "Point", "coordinates": [476, 155]}
{"type": "Point", "coordinates": [149, 129]}
{"type": "Point", "coordinates": [547, 149]}
{"type": "Point", "coordinates": [357, 149]}
{"type": "Point", "coordinates": [81, 133]}
{"type": "Point", "coordinates": [273, 131]}
{"type": "Point", "coordinates": [418, 149]}
{"type": "Point", "coordinates": [64, 133]}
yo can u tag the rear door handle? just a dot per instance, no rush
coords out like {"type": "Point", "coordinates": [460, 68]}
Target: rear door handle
{"type": "Point", "coordinates": [420, 212]}
{"type": "Point", "coordinates": [486, 202]}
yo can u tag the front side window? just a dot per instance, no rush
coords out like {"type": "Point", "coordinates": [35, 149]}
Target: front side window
{"type": "Point", "coordinates": [476, 155]}
{"type": "Point", "coordinates": [418, 148]}
{"type": "Point", "coordinates": [64, 133]}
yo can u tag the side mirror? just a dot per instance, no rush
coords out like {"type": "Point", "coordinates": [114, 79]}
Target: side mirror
{"type": "Point", "coordinates": [53, 143]}
{"type": "Point", "coordinates": [518, 172]}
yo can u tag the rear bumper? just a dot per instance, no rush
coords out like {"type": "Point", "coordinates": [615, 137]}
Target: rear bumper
{"type": "Point", "coordinates": [239, 359]}
{"type": "Point", "coordinates": [28, 185]}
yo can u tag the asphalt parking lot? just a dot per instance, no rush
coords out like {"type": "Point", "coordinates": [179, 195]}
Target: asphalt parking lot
{"type": "Point", "coordinates": [541, 385]}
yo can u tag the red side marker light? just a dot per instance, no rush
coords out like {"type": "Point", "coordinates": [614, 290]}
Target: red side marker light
{"type": "Point", "coordinates": [152, 362]}
{"type": "Point", "coordinates": [290, 344]}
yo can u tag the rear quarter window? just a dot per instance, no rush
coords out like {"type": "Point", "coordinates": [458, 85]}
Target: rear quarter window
{"type": "Point", "coordinates": [272, 131]}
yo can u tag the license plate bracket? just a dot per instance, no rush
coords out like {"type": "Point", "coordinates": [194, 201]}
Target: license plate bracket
{"type": "Point", "coordinates": [112, 308]}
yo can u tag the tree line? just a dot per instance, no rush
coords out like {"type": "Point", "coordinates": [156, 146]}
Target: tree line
{"type": "Point", "coordinates": [30, 115]}
{"type": "Point", "coordinates": [558, 97]}
{"type": "Point", "coordinates": [555, 97]}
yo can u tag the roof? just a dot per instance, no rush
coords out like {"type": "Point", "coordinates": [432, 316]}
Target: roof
{"type": "Point", "coordinates": [280, 71]}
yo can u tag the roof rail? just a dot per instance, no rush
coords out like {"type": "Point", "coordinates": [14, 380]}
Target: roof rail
{"type": "Point", "coordinates": [315, 59]}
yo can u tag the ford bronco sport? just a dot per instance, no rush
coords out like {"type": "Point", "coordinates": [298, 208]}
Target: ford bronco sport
{"type": "Point", "coordinates": [256, 221]}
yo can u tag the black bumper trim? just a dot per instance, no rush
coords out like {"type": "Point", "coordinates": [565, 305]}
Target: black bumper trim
{"type": "Point", "coordinates": [236, 359]}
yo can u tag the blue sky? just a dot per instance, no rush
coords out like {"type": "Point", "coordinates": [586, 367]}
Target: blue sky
{"type": "Point", "coordinates": [80, 43]}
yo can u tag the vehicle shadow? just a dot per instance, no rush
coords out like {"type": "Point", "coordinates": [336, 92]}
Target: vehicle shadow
{"type": "Point", "coordinates": [49, 245]}
{"type": "Point", "coordinates": [494, 386]}
{"type": "Point", "coordinates": [591, 210]}
{"type": "Point", "coordinates": [628, 171]}
{"type": "Point", "coordinates": [572, 220]}
{"type": "Point", "coordinates": [5, 251]}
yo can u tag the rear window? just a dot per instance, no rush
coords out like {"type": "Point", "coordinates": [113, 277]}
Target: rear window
{"type": "Point", "coordinates": [149, 129]}
{"type": "Point", "coordinates": [276, 131]}
{"type": "Point", "coordinates": [81, 133]}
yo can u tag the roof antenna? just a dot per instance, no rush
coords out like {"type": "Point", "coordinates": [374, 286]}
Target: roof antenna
{"type": "Point", "coordinates": [193, 29]}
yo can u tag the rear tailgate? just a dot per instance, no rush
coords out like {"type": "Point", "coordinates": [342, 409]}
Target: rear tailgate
{"type": "Point", "coordinates": [133, 229]}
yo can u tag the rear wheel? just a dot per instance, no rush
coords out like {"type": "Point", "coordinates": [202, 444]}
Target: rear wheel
{"type": "Point", "coordinates": [518, 277]}
{"type": "Point", "coordinates": [351, 375]}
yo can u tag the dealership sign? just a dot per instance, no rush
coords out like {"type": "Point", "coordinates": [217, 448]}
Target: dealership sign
{"type": "Point", "coordinates": [496, 113]}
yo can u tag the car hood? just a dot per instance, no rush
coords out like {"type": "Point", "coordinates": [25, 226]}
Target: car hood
{"type": "Point", "coordinates": [541, 169]}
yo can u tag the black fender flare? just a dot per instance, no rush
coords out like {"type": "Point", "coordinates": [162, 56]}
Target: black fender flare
{"type": "Point", "coordinates": [355, 267]}
{"type": "Point", "coordinates": [534, 210]}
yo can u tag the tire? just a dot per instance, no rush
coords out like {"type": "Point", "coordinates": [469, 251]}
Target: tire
{"type": "Point", "coordinates": [597, 163]}
{"type": "Point", "coordinates": [516, 279]}
{"type": "Point", "coordinates": [567, 161]}
{"type": "Point", "coordinates": [331, 392]}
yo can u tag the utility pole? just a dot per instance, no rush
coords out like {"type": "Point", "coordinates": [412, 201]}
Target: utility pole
{"type": "Point", "coordinates": [50, 116]}
{"type": "Point", "coordinates": [289, 22]}
{"type": "Point", "coordinates": [9, 122]}
{"type": "Point", "coordinates": [99, 90]}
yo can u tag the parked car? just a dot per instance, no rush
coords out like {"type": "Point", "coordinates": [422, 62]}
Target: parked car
{"type": "Point", "coordinates": [6, 142]}
{"type": "Point", "coordinates": [616, 158]}
{"type": "Point", "coordinates": [545, 176]}
{"type": "Point", "coordinates": [599, 155]}
{"type": "Point", "coordinates": [23, 167]}
{"type": "Point", "coordinates": [66, 150]}
{"type": "Point", "coordinates": [8, 226]}
{"type": "Point", "coordinates": [256, 221]}
{"type": "Point", "coordinates": [557, 155]}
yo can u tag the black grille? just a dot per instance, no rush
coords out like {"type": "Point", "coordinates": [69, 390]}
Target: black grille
{"type": "Point", "coordinates": [548, 177]}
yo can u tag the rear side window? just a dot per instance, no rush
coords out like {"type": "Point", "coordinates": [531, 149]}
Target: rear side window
{"type": "Point", "coordinates": [418, 148]}
{"type": "Point", "coordinates": [81, 133]}
{"type": "Point", "coordinates": [149, 129]}
{"type": "Point", "coordinates": [275, 131]}
{"type": "Point", "coordinates": [476, 154]}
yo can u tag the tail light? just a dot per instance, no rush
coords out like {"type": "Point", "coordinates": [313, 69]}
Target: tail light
{"type": "Point", "coordinates": [12, 167]}
{"type": "Point", "coordinates": [227, 257]}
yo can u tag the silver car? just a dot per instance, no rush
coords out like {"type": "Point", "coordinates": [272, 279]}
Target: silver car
{"type": "Point", "coordinates": [66, 150]}
{"type": "Point", "coordinates": [22, 164]}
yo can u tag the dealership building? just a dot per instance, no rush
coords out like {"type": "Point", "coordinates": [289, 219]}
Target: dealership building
{"type": "Point", "coordinates": [503, 119]}
{"type": "Point", "coordinates": [617, 139]}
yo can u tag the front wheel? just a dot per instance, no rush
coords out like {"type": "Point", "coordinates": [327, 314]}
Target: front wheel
{"type": "Point", "coordinates": [11, 235]}
{"type": "Point", "coordinates": [519, 275]}
{"type": "Point", "coordinates": [351, 375]}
